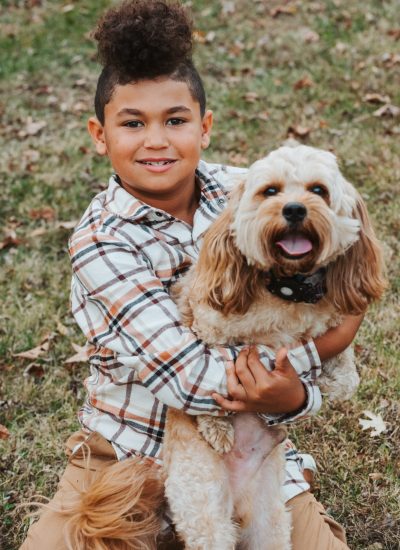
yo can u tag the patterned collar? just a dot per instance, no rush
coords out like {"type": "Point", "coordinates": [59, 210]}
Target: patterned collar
{"type": "Point", "coordinates": [299, 288]}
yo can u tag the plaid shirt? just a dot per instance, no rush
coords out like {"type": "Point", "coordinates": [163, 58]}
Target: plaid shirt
{"type": "Point", "coordinates": [125, 256]}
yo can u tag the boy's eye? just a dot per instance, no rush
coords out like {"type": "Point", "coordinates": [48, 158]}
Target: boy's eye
{"type": "Point", "coordinates": [175, 121]}
{"type": "Point", "coordinates": [271, 191]}
{"type": "Point", "coordinates": [133, 123]}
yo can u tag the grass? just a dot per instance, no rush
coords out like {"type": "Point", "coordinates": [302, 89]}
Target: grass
{"type": "Point", "coordinates": [347, 50]}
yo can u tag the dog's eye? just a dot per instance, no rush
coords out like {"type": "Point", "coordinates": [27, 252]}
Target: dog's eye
{"type": "Point", "coordinates": [271, 191]}
{"type": "Point", "coordinates": [318, 190]}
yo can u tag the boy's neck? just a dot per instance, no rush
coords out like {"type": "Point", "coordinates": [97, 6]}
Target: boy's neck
{"type": "Point", "coordinates": [182, 206]}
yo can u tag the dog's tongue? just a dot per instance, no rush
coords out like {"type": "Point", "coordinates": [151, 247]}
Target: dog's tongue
{"type": "Point", "coordinates": [295, 245]}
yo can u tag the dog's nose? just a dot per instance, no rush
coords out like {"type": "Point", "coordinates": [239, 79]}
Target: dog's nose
{"type": "Point", "coordinates": [294, 212]}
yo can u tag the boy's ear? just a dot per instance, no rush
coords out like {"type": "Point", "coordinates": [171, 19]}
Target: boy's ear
{"type": "Point", "coordinates": [207, 123]}
{"type": "Point", "coordinates": [96, 131]}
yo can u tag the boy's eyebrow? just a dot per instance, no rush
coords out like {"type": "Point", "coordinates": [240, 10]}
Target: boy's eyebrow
{"type": "Point", "coordinates": [137, 112]}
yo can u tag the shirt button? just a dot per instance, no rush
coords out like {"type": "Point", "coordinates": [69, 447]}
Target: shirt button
{"type": "Point", "coordinates": [221, 201]}
{"type": "Point", "coordinates": [159, 214]}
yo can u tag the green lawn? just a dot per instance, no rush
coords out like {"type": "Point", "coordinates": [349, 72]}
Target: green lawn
{"type": "Point", "coordinates": [321, 70]}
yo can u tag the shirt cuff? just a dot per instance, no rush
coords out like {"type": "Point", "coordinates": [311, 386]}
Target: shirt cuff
{"type": "Point", "coordinates": [305, 360]}
{"type": "Point", "coordinates": [311, 407]}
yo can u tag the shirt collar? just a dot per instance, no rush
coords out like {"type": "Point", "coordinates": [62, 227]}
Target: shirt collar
{"type": "Point", "coordinates": [126, 206]}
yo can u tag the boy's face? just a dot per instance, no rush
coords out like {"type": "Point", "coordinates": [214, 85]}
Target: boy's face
{"type": "Point", "coordinates": [153, 134]}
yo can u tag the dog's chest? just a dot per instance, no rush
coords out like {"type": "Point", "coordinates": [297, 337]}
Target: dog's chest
{"type": "Point", "coordinates": [269, 321]}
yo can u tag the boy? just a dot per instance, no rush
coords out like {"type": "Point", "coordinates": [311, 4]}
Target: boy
{"type": "Point", "coordinates": [133, 242]}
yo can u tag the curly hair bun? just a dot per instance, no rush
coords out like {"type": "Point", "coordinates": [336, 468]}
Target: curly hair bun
{"type": "Point", "coordinates": [144, 38]}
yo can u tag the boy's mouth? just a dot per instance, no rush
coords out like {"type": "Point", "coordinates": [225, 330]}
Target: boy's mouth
{"type": "Point", "coordinates": [159, 162]}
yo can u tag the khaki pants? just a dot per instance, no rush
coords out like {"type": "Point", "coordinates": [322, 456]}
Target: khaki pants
{"type": "Point", "coordinates": [312, 529]}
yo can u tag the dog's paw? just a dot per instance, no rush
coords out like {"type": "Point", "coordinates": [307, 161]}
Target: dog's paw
{"type": "Point", "coordinates": [217, 431]}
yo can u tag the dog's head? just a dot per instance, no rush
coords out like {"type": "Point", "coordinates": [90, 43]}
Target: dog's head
{"type": "Point", "coordinates": [294, 213]}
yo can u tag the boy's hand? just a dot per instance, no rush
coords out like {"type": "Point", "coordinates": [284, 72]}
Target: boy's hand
{"type": "Point", "coordinates": [254, 389]}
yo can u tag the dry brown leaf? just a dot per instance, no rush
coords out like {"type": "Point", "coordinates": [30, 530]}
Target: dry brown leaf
{"type": "Point", "coordinates": [376, 98]}
{"type": "Point", "coordinates": [44, 213]}
{"type": "Point", "coordinates": [62, 329]}
{"type": "Point", "coordinates": [34, 353]}
{"type": "Point", "coordinates": [387, 110]}
{"type": "Point", "coordinates": [251, 97]}
{"type": "Point", "coordinates": [81, 355]}
{"type": "Point", "coordinates": [4, 433]}
{"type": "Point", "coordinates": [199, 36]}
{"type": "Point", "coordinates": [38, 232]}
{"type": "Point", "coordinates": [375, 476]}
{"type": "Point", "coordinates": [394, 33]}
{"type": "Point", "coordinates": [298, 131]}
{"type": "Point", "coordinates": [32, 128]}
{"type": "Point", "coordinates": [311, 37]}
{"type": "Point", "coordinates": [304, 82]}
{"type": "Point", "coordinates": [66, 225]}
{"type": "Point", "coordinates": [9, 240]}
{"type": "Point", "coordinates": [34, 369]}
{"type": "Point", "coordinates": [283, 10]}
{"type": "Point", "coordinates": [263, 115]}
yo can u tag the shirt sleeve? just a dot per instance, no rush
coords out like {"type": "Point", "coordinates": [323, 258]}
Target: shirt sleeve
{"type": "Point", "coordinates": [122, 307]}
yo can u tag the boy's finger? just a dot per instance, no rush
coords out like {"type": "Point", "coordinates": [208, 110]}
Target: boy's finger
{"type": "Point", "coordinates": [243, 372]}
{"type": "Point", "coordinates": [235, 388]}
{"type": "Point", "coordinates": [258, 370]}
{"type": "Point", "coordinates": [234, 406]}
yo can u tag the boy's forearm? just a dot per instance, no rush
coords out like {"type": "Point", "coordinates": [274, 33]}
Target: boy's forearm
{"type": "Point", "coordinates": [337, 339]}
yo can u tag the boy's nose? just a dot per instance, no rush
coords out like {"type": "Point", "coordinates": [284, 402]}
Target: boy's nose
{"type": "Point", "coordinates": [156, 137]}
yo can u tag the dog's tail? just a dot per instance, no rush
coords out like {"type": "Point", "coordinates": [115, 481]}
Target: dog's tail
{"type": "Point", "coordinates": [121, 509]}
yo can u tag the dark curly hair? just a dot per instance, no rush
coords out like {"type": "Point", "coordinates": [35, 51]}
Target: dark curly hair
{"type": "Point", "coordinates": [145, 39]}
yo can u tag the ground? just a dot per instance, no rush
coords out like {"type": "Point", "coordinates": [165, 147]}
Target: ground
{"type": "Point", "coordinates": [325, 72]}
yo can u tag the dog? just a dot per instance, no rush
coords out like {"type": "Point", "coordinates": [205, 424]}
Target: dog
{"type": "Point", "coordinates": [293, 252]}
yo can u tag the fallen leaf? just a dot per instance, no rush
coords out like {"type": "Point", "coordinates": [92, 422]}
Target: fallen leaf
{"type": "Point", "coordinates": [228, 8]}
{"type": "Point", "coordinates": [67, 8]}
{"type": "Point", "coordinates": [66, 225]}
{"type": "Point", "coordinates": [375, 423]}
{"type": "Point", "coordinates": [304, 82]}
{"type": "Point", "coordinates": [4, 433]}
{"type": "Point", "coordinates": [283, 10]}
{"type": "Point", "coordinates": [263, 115]}
{"type": "Point", "coordinates": [62, 329]}
{"type": "Point", "coordinates": [394, 33]}
{"type": "Point", "coordinates": [32, 128]}
{"type": "Point", "coordinates": [298, 131]}
{"type": "Point", "coordinates": [376, 98]}
{"type": "Point", "coordinates": [44, 213]}
{"type": "Point", "coordinates": [9, 240]}
{"type": "Point", "coordinates": [251, 97]}
{"type": "Point", "coordinates": [375, 476]}
{"type": "Point", "coordinates": [81, 355]}
{"type": "Point", "coordinates": [199, 36]}
{"type": "Point", "coordinates": [34, 353]}
{"type": "Point", "coordinates": [311, 37]}
{"type": "Point", "coordinates": [35, 370]}
{"type": "Point", "coordinates": [38, 232]}
{"type": "Point", "coordinates": [387, 110]}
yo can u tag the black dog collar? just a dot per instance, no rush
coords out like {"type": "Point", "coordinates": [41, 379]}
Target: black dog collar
{"type": "Point", "coordinates": [299, 288]}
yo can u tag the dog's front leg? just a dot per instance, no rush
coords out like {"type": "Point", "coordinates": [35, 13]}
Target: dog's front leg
{"type": "Point", "coordinates": [197, 487]}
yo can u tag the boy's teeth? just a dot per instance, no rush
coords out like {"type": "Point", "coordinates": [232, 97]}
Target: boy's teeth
{"type": "Point", "coordinates": [157, 163]}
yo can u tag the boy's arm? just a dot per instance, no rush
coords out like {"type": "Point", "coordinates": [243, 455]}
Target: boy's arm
{"type": "Point", "coordinates": [287, 388]}
{"type": "Point", "coordinates": [124, 310]}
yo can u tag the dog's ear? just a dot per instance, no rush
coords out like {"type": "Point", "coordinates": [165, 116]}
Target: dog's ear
{"type": "Point", "coordinates": [223, 278]}
{"type": "Point", "coordinates": [357, 278]}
